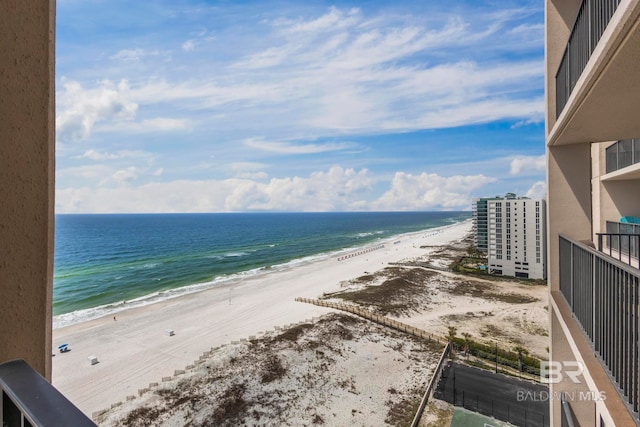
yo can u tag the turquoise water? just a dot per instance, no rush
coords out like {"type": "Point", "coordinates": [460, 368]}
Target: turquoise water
{"type": "Point", "coordinates": [103, 261]}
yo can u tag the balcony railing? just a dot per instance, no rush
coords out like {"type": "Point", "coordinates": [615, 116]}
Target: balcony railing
{"type": "Point", "coordinates": [28, 400]}
{"type": "Point", "coordinates": [604, 296]}
{"type": "Point", "coordinates": [621, 241]}
{"type": "Point", "coordinates": [593, 17]}
{"type": "Point", "coordinates": [623, 153]}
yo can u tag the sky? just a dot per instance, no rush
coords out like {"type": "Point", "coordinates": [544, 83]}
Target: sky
{"type": "Point", "coordinates": [241, 106]}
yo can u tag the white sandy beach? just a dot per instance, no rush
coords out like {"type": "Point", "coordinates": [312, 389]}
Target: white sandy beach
{"type": "Point", "coordinates": [135, 349]}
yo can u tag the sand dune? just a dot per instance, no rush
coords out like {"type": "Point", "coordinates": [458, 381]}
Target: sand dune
{"type": "Point", "coordinates": [136, 350]}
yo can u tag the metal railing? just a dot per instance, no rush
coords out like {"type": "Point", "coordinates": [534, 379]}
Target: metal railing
{"type": "Point", "coordinates": [28, 400]}
{"type": "Point", "coordinates": [621, 241]}
{"type": "Point", "coordinates": [591, 21]}
{"type": "Point", "coordinates": [604, 296]}
{"type": "Point", "coordinates": [623, 153]}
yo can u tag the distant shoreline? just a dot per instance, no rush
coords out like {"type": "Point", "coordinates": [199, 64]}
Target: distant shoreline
{"type": "Point", "coordinates": [135, 350]}
{"type": "Point", "coordinates": [107, 310]}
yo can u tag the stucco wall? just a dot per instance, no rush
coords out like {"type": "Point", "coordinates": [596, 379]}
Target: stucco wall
{"type": "Point", "coordinates": [568, 199]}
{"type": "Point", "coordinates": [27, 177]}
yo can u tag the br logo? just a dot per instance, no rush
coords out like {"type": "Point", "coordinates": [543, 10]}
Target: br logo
{"type": "Point", "coordinates": [553, 372]}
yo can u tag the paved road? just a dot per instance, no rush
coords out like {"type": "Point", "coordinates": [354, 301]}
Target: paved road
{"type": "Point", "coordinates": [522, 403]}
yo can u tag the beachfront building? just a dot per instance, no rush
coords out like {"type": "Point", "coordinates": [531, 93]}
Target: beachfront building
{"type": "Point", "coordinates": [480, 224]}
{"type": "Point", "coordinates": [517, 237]}
{"type": "Point", "coordinates": [592, 67]}
{"type": "Point", "coordinates": [511, 230]}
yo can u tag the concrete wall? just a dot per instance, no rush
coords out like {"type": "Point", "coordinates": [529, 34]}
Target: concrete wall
{"type": "Point", "coordinates": [568, 200]}
{"type": "Point", "coordinates": [620, 198]}
{"type": "Point", "coordinates": [27, 177]}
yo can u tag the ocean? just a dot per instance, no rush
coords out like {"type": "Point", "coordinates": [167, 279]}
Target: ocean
{"type": "Point", "coordinates": [105, 263]}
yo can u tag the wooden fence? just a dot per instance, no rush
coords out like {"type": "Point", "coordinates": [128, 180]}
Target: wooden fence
{"type": "Point", "coordinates": [382, 320]}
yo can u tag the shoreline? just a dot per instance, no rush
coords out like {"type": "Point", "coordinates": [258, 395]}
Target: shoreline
{"type": "Point", "coordinates": [220, 282]}
{"type": "Point", "coordinates": [134, 349]}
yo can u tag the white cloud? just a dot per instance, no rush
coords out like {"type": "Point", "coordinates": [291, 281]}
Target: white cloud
{"type": "Point", "coordinates": [206, 94]}
{"type": "Point", "coordinates": [529, 29]}
{"type": "Point", "coordinates": [252, 166]}
{"type": "Point", "coordinates": [292, 148]}
{"type": "Point", "coordinates": [84, 173]}
{"type": "Point", "coordinates": [250, 170]}
{"type": "Point", "coordinates": [189, 45]}
{"type": "Point", "coordinates": [110, 169]}
{"type": "Point", "coordinates": [127, 175]}
{"type": "Point", "coordinates": [106, 107]}
{"type": "Point", "coordinates": [160, 124]}
{"type": "Point", "coordinates": [95, 155]}
{"type": "Point", "coordinates": [335, 189]}
{"type": "Point", "coordinates": [259, 175]}
{"type": "Point", "coordinates": [164, 123]}
{"type": "Point", "coordinates": [534, 120]}
{"type": "Point", "coordinates": [129, 55]}
{"type": "Point", "coordinates": [537, 190]}
{"type": "Point", "coordinates": [322, 77]}
{"type": "Point", "coordinates": [528, 164]}
{"type": "Point", "coordinates": [80, 109]}
{"type": "Point", "coordinates": [430, 191]}
{"type": "Point", "coordinates": [340, 73]}
{"type": "Point", "coordinates": [332, 20]}
{"type": "Point", "coordinates": [120, 154]}
{"type": "Point", "coordinates": [268, 58]}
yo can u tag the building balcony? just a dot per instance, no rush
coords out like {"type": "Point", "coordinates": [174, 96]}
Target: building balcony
{"type": "Point", "coordinates": [591, 21]}
{"type": "Point", "coordinates": [623, 160]}
{"type": "Point", "coordinates": [596, 85]}
{"type": "Point", "coordinates": [28, 400]}
{"type": "Point", "coordinates": [622, 242]}
{"type": "Point", "coordinates": [603, 296]}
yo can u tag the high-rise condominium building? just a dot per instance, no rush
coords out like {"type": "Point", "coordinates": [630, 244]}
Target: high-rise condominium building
{"type": "Point", "coordinates": [592, 88]}
{"type": "Point", "coordinates": [517, 237]}
{"type": "Point", "coordinates": [480, 224]}
{"type": "Point", "coordinates": [512, 232]}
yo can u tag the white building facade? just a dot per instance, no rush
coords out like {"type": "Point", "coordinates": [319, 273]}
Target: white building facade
{"type": "Point", "coordinates": [517, 237]}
